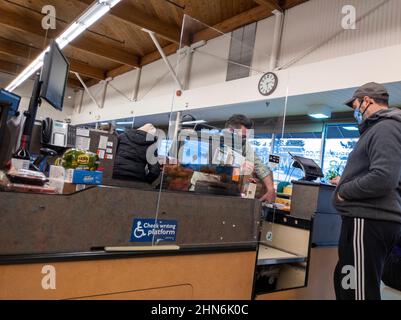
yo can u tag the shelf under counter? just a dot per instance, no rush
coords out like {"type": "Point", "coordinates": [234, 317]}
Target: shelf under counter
{"type": "Point", "coordinates": [272, 256]}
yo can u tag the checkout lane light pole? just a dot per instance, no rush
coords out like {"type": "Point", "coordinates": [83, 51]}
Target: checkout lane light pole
{"type": "Point", "coordinates": [83, 22]}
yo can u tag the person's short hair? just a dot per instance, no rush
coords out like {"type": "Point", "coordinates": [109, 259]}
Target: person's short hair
{"type": "Point", "coordinates": [382, 102]}
{"type": "Point", "coordinates": [238, 120]}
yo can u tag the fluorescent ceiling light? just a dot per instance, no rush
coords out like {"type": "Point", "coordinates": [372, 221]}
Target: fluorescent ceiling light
{"type": "Point", "coordinates": [319, 112]}
{"type": "Point", "coordinates": [27, 72]}
{"type": "Point", "coordinates": [319, 116]}
{"type": "Point", "coordinates": [194, 122]}
{"type": "Point", "coordinates": [124, 123]}
{"type": "Point", "coordinates": [351, 128]}
{"type": "Point", "coordinates": [87, 19]}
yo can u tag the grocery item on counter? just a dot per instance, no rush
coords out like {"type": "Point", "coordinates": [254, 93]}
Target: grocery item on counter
{"type": "Point", "coordinates": [7, 185]}
{"type": "Point", "coordinates": [29, 177]}
{"type": "Point", "coordinates": [286, 202]}
{"type": "Point", "coordinates": [288, 190]}
{"type": "Point", "coordinates": [16, 187]}
{"type": "Point", "coordinates": [79, 159]}
{"type": "Point", "coordinates": [282, 185]}
{"type": "Point", "coordinates": [177, 178]}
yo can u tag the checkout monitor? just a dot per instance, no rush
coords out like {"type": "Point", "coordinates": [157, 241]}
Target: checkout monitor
{"type": "Point", "coordinates": [311, 169]}
{"type": "Point", "coordinates": [12, 99]}
{"type": "Point", "coordinates": [54, 76]}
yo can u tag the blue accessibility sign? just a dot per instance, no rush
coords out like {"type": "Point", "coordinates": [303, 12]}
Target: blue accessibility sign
{"type": "Point", "coordinates": [149, 230]}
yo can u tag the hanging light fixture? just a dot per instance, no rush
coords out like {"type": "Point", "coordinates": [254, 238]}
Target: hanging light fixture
{"type": "Point", "coordinates": [83, 22]}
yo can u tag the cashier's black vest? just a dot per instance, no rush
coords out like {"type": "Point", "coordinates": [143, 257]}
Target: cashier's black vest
{"type": "Point", "coordinates": [130, 162]}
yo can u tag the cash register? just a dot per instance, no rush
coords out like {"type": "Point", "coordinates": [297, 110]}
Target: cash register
{"type": "Point", "coordinates": [311, 169]}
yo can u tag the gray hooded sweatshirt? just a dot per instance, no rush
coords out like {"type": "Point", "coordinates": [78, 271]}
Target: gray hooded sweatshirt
{"type": "Point", "coordinates": [371, 182]}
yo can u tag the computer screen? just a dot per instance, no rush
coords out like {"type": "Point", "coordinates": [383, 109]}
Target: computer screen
{"type": "Point", "coordinates": [307, 162]}
{"type": "Point", "coordinates": [54, 76]}
{"type": "Point", "coordinates": [12, 99]}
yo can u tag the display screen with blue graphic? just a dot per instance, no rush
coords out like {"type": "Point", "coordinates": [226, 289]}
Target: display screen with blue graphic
{"type": "Point", "coordinates": [149, 230]}
{"type": "Point", "coordinates": [12, 99]}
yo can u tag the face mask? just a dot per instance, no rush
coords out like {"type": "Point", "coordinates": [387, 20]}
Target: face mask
{"type": "Point", "coordinates": [358, 116]}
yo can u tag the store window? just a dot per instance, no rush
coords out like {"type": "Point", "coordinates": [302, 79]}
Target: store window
{"type": "Point", "coordinates": [262, 145]}
{"type": "Point", "coordinates": [306, 144]}
{"type": "Point", "coordinates": [340, 140]}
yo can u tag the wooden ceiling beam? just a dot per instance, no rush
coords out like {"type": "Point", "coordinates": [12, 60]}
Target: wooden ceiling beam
{"type": "Point", "coordinates": [27, 54]}
{"type": "Point", "coordinates": [87, 70]}
{"type": "Point", "coordinates": [85, 42]}
{"type": "Point", "coordinates": [271, 5]}
{"type": "Point", "coordinates": [154, 56]}
{"type": "Point", "coordinates": [253, 15]}
{"type": "Point", "coordinates": [74, 83]}
{"type": "Point", "coordinates": [9, 67]}
{"type": "Point", "coordinates": [128, 13]}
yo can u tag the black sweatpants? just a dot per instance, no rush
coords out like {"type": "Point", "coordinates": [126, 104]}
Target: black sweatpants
{"type": "Point", "coordinates": [392, 272]}
{"type": "Point", "coordinates": [363, 249]}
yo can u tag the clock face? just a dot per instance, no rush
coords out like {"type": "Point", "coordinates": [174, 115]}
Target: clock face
{"type": "Point", "coordinates": [268, 83]}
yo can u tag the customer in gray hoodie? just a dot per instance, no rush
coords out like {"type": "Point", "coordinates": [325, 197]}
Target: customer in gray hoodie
{"type": "Point", "coordinates": [368, 196]}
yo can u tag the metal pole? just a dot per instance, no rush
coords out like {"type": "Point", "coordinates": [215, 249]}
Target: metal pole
{"type": "Point", "coordinates": [164, 57]}
{"type": "Point", "coordinates": [135, 92]}
{"type": "Point", "coordinates": [104, 94]}
{"type": "Point", "coordinates": [188, 67]}
{"type": "Point", "coordinates": [278, 31]}
{"type": "Point", "coordinates": [174, 129]}
{"type": "Point", "coordinates": [87, 90]}
{"type": "Point", "coordinates": [81, 101]}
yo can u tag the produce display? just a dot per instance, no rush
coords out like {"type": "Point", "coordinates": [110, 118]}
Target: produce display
{"type": "Point", "coordinates": [79, 159]}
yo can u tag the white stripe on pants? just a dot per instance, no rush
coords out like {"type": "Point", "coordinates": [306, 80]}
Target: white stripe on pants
{"type": "Point", "coordinates": [359, 259]}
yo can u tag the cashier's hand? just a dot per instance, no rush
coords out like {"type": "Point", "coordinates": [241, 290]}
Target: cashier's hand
{"type": "Point", "coordinates": [269, 196]}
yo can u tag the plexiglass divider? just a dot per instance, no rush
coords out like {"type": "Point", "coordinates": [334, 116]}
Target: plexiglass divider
{"type": "Point", "coordinates": [212, 171]}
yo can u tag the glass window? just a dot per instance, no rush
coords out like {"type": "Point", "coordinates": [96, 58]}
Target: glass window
{"type": "Point", "coordinates": [306, 144]}
{"type": "Point", "coordinates": [340, 140]}
{"type": "Point", "coordinates": [262, 145]}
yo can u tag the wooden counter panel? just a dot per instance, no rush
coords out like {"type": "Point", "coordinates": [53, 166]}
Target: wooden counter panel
{"type": "Point", "coordinates": [183, 292]}
{"type": "Point", "coordinates": [210, 276]}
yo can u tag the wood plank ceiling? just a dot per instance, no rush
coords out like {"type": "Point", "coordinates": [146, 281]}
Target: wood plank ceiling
{"type": "Point", "coordinates": [116, 44]}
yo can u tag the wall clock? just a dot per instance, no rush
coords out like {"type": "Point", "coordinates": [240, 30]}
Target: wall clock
{"type": "Point", "coordinates": [268, 83]}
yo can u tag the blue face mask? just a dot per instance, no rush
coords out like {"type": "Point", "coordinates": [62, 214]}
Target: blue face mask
{"type": "Point", "coordinates": [358, 116]}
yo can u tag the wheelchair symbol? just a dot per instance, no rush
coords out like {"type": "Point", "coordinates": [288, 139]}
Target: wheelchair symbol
{"type": "Point", "coordinates": [139, 232]}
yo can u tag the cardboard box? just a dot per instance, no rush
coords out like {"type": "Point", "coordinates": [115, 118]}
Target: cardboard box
{"type": "Point", "coordinates": [70, 188]}
{"type": "Point", "coordinates": [84, 177]}
{"type": "Point", "coordinates": [57, 173]}
{"type": "Point", "coordinates": [63, 187]}
{"type": "Point", "coordinates": [68, 181]}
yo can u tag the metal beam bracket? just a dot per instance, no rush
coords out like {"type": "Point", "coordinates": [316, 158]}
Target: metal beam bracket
{"type": "Point", "coordinates": [88, 91]}
{"type": "Point", "coordinates": [164, 57]}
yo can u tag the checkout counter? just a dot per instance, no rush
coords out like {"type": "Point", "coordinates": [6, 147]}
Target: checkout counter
{"type": "Point", "coordinates": [83, 236]}
{"type": "Point", "coordinates": [226, 248]}
{"type": "Point", "coordinates": [94, 243]}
